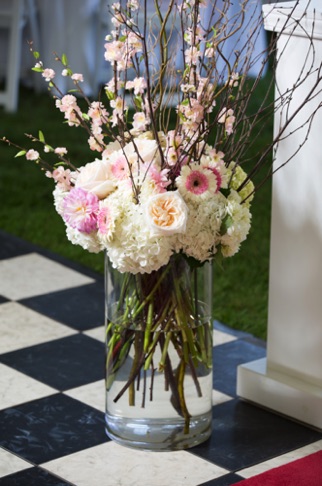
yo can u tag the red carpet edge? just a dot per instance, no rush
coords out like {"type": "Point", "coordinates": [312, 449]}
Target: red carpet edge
{"type": "Point", "coordinates": [306, 471]}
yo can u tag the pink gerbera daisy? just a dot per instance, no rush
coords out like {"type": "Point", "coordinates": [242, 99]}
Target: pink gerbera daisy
{"type": "Point", "coordinates": [80, 210]}
{"type": "Point", "coordinates": [119, 168]}
{"type": "Point", "coordinates": [218, 176]}
{"type": "Point", "coordinates": [105, 222]}
{"type": "Point", "coordinates": [196, 182]}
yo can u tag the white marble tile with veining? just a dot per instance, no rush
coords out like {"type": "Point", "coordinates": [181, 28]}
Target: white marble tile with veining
{"type": "Point", "coordinates": [220, 337]}
{"type": "Point", "coordinates": [281, 460]}
{"type": "Point", "coordinates": [16, 388]}
{"type": "Point", "coordinates": [9, 464]}
{"type": "Point", "coordinates": [96, 333]}
{"type": "Point", "coordinates": [21, 327]}
{"type": "Point", "coordinates": [32, 274]}
{"type": "Point", "coordinates": [92, 394]}
{"type": "Point", "coordinates": [110, 464]}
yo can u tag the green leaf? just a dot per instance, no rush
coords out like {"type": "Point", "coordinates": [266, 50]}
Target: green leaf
{"type": "Point", "coordinates": [110, 94]}
{"type": "Point", "coordinates": [226, 224]}
{"type": "Point", "coordinates": [36, 54]}
{"type": "Point", "coordinates": [37, 69]}
{"type": "Point", "coordinates": [64, 60]}
{"type": "Point", "coordinates": [138, 101]}
{"type": "Point", "coordinates": [21, 153]}
{"type": "Point", "coordinates": [41, 136]}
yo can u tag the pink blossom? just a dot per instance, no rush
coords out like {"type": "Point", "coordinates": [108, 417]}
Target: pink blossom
{"type": "Point", "coordinates": [96, 143]}
{"type": "Point", "coordinates": [62, 177]}
{"type": "Point", "coordinates": [60, 150]}
{"type": "Point", "coordinates": [68, 106]}
{"type": "Point", "coordinates": [80, 210]}
{"type": "Point", "coordinates": [193, 113]}
{"type": "Point", "coordinates": [97, 113]}
{"type": "Point", "coordinates": [77, 77]}
{"type": "Point", "coordinates": [159, 177]}
{"type": "Point", "coordinates": [114, 51]}
{"type": "Point", "coordinates": [32, 154]}
{"type": "Point", "coordinates": [227, 117]}
{"type": "Point", "coordinates": [172, 156]}
{"type": "Point", "coordinates": [134, 43]}
{"type": "Point", "coordinates": [233, 82]}
{"type": "Point", "coordinates": [48, 74]}
{"type": "Point", "coordinates": [210, 52]}
{"type": "Point", "coordinates": [192, 55]}
{"type": "Point", "coordinates": [140, 121]}
{"type": "Point", "coordinates": [138, 84]}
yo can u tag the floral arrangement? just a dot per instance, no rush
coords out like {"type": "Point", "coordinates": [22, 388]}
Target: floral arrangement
{"type": "Point", "coordinates": [152, 192]}
{"type": "Point", "coordinates": [166, 192]}
{"type": "Point", "coordinates": [164, 184]}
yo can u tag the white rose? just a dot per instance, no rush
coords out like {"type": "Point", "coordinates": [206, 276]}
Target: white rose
{"type": "Point", "coordinates": [166, 213]}
{"type": "Point", "coordinates": [147, 149]}
{"type": "Point", "coordinates": [95, 177]}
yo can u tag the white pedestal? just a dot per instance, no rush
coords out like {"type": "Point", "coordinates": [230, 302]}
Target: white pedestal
{"type": "Point", "coordinates": [289, 380]}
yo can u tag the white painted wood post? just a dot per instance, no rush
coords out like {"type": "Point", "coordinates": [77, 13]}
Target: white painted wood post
{"type": "Point", "coordinates": [289, 380]}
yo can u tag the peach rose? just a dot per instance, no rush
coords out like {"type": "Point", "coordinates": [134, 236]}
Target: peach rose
{"type": "Point", "coordinates": [166, 213]}
{"type": "Point", "coordinates": [95, 177]}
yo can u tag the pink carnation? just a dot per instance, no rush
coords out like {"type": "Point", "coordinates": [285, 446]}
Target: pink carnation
{"type": "Point", "coordinates": [80, 210]}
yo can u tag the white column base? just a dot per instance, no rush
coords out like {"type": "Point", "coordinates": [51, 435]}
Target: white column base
{"type": "Point", "coordinates": [279, 392]}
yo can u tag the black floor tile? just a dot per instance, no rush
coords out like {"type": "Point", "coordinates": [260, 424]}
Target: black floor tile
{"type": "Point", "coordinates": [63, 363]}
{"type": "Point", "coordinates": [81, 308]}
{"type": "Point", "coordinates": [226, 359]}
{"type": "Point", "coordinates": [11, 246]}
{"type": "Point", "coordinates": [244, 435]}
{"type": "Point", "coordinates": [226, 480]}
{"type": "Point", "coordinates": [51, 427]}
{"type": "Point", "coordinates": [32, 477]}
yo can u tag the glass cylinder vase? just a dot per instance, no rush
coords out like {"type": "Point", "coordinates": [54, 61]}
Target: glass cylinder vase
{"type": "Point", "coordinates": [159, 356]}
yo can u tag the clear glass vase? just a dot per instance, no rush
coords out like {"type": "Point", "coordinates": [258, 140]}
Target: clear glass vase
{"type": "Point", "coordinates": [159, 356]}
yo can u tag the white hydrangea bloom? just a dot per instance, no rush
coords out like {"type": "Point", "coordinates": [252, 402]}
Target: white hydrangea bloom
{"type": "Point", "coordinates": [202, 230]}
{"type": "Point", "coordinates": [87, 241]}
{"type": "Point", "coordinates": [133, 247]}
{"type": "Point", "coordinates": [239, 226]}
{"type": "Point", "coordinates": [59, 195]}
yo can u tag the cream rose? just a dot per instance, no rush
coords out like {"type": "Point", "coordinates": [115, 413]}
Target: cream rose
{"type": "Point", "coordinates": [95, 177]}
{"type": "Point", "coordinates": [166, 213]}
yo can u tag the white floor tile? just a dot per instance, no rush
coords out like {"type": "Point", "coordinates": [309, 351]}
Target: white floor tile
{"type": "Point", "coordinates": [92, 394]}
{"type": "Point", "coordinates": [16, 388]}
{"type": "Point", "coordinates": [97, 333]}
{"type": "Point", "coordinates": [218, 397]}
{"type": "Point", "coordinates": [32, 274]}
{"type": "Point", "coordinates": [9, 464]}
{"type": "Point", "coordinates": [21, 327]}
{"type": "Point", "coordinates": [113, 465]}
{"type": "Point", "coordinates": [220, 337]}
{"type": "Point", "coordinates": [281, 460]}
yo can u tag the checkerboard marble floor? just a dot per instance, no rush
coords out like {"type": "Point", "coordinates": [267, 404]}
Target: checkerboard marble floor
{"type": "Point", "coordinates": [52, 392]}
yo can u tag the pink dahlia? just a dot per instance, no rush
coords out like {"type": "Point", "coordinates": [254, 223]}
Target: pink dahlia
{"type": "Point", "coordinates": [80, 210]}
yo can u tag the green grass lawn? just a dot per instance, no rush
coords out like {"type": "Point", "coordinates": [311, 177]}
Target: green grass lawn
{"type": "Point", "coordinates": [27, 211]}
